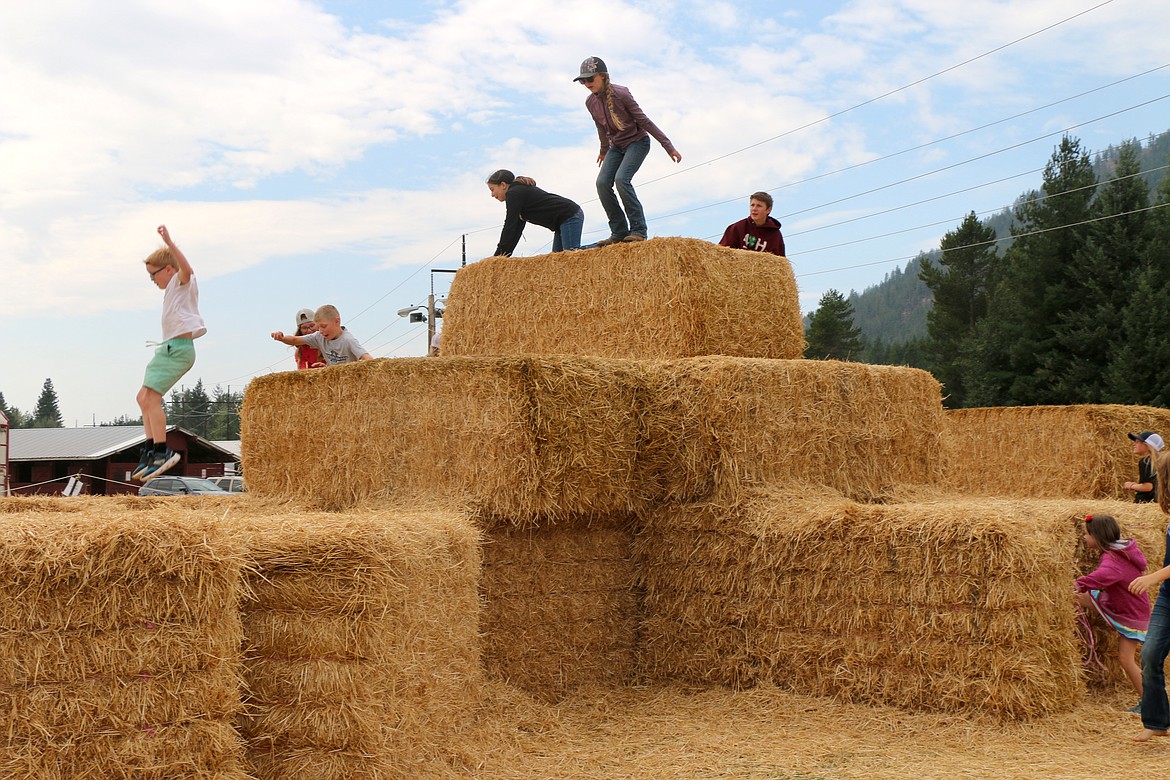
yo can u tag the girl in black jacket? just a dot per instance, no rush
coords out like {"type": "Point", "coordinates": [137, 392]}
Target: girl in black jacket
{"type": "Point", "coordinates": [528, 203]}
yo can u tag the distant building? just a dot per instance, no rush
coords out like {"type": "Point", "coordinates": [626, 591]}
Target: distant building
{"type": "Point", "coordinates": [3, 454]}
{"type": "Point", "coordinates": [41, 460]}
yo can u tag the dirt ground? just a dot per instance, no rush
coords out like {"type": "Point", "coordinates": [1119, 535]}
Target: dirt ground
{"type": "Point", "coordinates": [643, 733]}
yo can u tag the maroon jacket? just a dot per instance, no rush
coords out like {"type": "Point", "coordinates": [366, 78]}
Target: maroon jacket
{"type": "Point", "coordinates": [635, 124]}
{"type": "Point", "coordinates": [765, 238]}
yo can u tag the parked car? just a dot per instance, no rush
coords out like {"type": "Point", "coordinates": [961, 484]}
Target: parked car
{"type": "Point", "coordinates": [181, 486]}
{"type": "Point", "coordinates": [234, 484]}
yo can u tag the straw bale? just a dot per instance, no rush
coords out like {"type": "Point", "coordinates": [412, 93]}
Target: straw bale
{"type": "Point", "coordinates": [565, 439]}
{"type": "Point", "coordinates": [193, 751]}
{"type": "Point", "coordinates": [120, 628]}
{"type": "Point", "coordinates": [1078, 451]}
{"type": "Point", "coordinates": [523, 437]}
{"type": "Point", "coordinates": [663, 298]}
{"type": "Point", "coordinates": [719, 425]}
{"type": "Point", "coordinates": [962, 604]}
{"type": "Point", "coordinates": [373, 670]}
{"type": "Point", "coordinates": [560, 607]}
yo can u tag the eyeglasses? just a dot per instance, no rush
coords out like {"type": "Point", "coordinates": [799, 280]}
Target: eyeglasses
{"type": "Point", "coordinates": [588, 80]}
{"type": "Point", "coordinates": [158, 270]}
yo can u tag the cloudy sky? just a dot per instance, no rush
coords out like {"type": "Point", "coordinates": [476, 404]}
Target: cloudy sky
{"type": "Point", "coordinates": [305, 152]}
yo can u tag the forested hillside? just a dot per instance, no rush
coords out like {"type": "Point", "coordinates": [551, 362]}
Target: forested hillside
{"type": "Point", "coordinates": [894, 310]}
{"type": "Point", "coordinates": [1071, 309]}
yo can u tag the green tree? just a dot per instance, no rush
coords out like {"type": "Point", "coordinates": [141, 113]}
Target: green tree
{"type": "Point", "coordinates": [225, 414]}
{"type": "Point", "coordinates": [47, 413]}
{"type": "Point", "coordinates": [190, 408]}
{"type": "Point", "coordinates": [1015, 355]}
{"type": "Point", "coordinates": [1139, 372]}
{"type": "Point", "coordinates": [960, 285]}
{"type": "Point", "coordinates": [122, 419]}
{"type": "Point", "coordinates": [831, 334]}
{"type": "Point", "coordinates": [1103, 277]}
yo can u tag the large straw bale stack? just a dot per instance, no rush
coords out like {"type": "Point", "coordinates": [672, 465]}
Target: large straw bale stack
{"type": "Point", "coordinates": [362, 641]}
{"type": "Point", "coordinates": [561, 609]}
{"type": "Point", "coordinates": [950, 605]}
{"type": "Point", "coordinates": [720, 425]}
{"type": "Point", "coordinates": [120, 634]}
{"type": "Point", "coordinates": [561, 438]}
{"type": "Point", "coordinates": [525, 437]}
{"type": "Point", "coordinates": [663, 298]}
{"type": "Point", "coordinates": [1078, 451]}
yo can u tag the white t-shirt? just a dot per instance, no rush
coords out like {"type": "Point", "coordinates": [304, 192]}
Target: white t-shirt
{"type": "Point", "coordinates": [181, 309]}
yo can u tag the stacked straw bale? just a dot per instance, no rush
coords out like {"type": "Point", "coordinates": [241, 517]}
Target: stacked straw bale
{"type": "Point", "coordinates": [950, 605]}
{"type": "Point", "coordinates": [526, 437]}
{"type": "Point", "coordinates": [558, 438]}
{"type": "Point", "coordinates": [1079, 451]}
{"type": "Point", "coordinates": [120, 633]}
{"type": "Point", "coordinates": [362, 655]}
{"type": "Point", "coordinates": [664, 298]}
{"type": "Point", "coordinates": [561, 609]}
{"type": "Point", "coordinates": [722, 425]}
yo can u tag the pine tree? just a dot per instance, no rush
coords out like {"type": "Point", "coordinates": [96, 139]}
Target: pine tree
{"type": "Point", "coordinates": [960, 299]}
{"type": "Point", "coordinates": [1103, 278]}
{"type": "Point", "coordinates": [48, 413]}
{"type": "Point", "coordinates": [1015, 356]}
{"type": "Point", "coordinates": [225, 415]}
{"type": "Point", "coordinates": [1139, 372]}
{"type": "Point", "coordinates": [831, 334]}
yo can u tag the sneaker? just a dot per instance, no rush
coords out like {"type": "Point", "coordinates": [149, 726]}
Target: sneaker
{"type": "Point", "coordinates": [160, 463]}
{"type": "Point", "coordinates": [143, 461]}
{"type": "Point", "coordinates": [633, 237]}
{"type": "Point", "coordinates": [1135, 709]}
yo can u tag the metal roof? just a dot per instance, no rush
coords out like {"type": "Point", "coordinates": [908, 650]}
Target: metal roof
{"type": "Point", "coordinates": [231, 446]}
{"type": "Point", "coordinates": [86, 443]}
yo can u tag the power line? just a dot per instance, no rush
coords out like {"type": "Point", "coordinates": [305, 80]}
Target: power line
{"type": "Point", "coordinates": [920, 147]}
{"type": "Point", "coordinates": [993, 241]}
{"type": "Point", "coordinates": [887, 94]}
{"type": "Point", "coordinates": [976, 158]}
{"type": "Point", "coordinates": [996, 210]}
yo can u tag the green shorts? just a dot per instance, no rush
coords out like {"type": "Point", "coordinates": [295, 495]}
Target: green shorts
{"type": "Point", "coordinates": [171, 360]}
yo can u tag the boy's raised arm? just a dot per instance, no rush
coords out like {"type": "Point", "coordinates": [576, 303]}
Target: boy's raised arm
{"type": "Point", "coordinates": [185, 270]}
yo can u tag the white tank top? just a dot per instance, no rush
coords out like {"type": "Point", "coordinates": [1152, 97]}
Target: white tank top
{"type": "Point", "coordinates": [181, 309]}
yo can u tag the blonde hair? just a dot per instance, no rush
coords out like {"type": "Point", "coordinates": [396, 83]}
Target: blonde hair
{"type": "Point", "coordinates": [325, 313]}
{"type": "Point", "coordinates": [1161, 464]}
{"type": "Point", "coordinates": [609, 106]}
{"type": "Point", "coordinates": [161, 258]}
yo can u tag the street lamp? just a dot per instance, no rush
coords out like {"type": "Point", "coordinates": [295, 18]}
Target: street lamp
{"type": "Point", "coordinates": [427, 312]}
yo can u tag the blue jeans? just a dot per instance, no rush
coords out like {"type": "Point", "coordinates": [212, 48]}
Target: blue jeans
{"type": "Point", "coordinates": [1155, 708]}
{"type": "Point", "coordinates": [619, 167]}
{"type": "Point", "coordinates": [568, 233]}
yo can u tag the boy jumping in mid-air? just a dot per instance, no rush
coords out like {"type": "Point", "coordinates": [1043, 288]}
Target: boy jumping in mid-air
{"type": "Point", "coordinates": [181, 325]}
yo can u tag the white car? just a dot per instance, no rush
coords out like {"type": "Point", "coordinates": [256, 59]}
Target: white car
{"type": "Point", "coordinates": [232, 484]}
